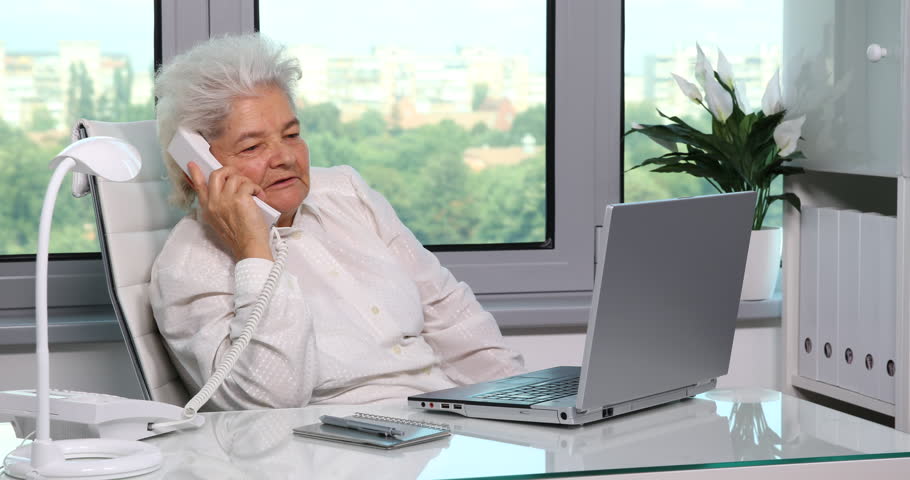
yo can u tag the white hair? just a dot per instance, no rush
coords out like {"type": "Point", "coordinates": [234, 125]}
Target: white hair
{"type": "Point", "coordinates": [197, 88]}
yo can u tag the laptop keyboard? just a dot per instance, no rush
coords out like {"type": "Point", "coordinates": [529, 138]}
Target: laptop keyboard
{"type": "Point", "coordinates": [536, 393]}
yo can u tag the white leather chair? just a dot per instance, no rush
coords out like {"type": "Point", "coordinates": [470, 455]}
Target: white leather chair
{"type": "Point", "coordinates": [134, 219]}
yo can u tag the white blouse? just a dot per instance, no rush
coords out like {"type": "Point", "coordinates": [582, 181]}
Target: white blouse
{"type": "Point", "coordinates": [362, 312]}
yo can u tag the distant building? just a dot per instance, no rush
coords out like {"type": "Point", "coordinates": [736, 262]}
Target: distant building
{"type": "Point", "coordinates": [33, 82]}
{"type": "Point", "coordinates": [495, 114]}
{"type": "Point", "coordinates": [480, 158]}
{"type": "Point", "coordinates": [313, 86]}
{"type": "Point", "coordinates": [2, 80]}
{"type": "Point", "coordinates": [422, 87]}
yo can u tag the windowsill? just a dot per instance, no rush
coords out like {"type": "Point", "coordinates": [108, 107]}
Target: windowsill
{"type": "Point", "coordinates": [512, 312]}
{"type": "Point", "coordinates": [571, 310]}
{"type": "Point", "coordinates": [64, 325]}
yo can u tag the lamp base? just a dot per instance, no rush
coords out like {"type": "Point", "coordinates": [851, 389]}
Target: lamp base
{"type": "Point", "coordinates": [88, 459]}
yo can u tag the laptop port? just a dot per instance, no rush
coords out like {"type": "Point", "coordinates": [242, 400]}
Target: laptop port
{"type": "Point", "coordinates": [445, 405]}
{"type": "Point", "coordinates": [457, 406]}
{"type": "Point", "coordinates": [608, 412]}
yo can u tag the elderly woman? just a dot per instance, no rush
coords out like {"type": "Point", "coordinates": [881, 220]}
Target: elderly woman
{"type": "Point", "coordinates": [362, 312]}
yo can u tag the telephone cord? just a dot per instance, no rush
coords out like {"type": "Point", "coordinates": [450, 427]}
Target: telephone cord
{"type": "Point", "coordinates": [24, 439]}
{"type": "Point", "coordinates": [237, 347]}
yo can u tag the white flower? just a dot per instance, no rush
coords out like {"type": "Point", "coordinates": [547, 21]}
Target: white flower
{"type": "Point", "coordinates": [720, 103]}
{"type": "Point", "coordinates": [671, 146]}
{"type": "Point", "coordinates": [787, 133]}
{"type": "Point", "coordinates": [689, 89]}
{"type": "Point", "coordinates": [770, 101]}
{"type": "Point", "coordinates": [724, 70]}
{"type": "Point", "coordinates": [741, 98]}
{"type": "Point", "coordinates": [703, 70]}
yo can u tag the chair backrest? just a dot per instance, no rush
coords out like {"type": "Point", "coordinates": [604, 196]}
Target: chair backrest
{"type": "Point", "coordinates": [134, 219]}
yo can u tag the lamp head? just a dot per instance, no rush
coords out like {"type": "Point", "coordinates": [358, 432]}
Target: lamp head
{"type": "Point", "coordinates": [106, 157]}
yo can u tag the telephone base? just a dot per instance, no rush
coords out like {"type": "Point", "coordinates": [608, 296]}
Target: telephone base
{"type": "Point", "coordinates": [90, 415]}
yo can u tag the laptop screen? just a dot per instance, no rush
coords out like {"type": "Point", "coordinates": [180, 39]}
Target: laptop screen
{"type": "Point", "coordinates": [666, 296]}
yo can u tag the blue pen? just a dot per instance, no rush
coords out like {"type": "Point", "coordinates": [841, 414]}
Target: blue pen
{"type": "Point", "coordinates": [360, 426]}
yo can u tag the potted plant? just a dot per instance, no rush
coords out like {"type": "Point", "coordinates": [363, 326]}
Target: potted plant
{"type": "Point", "coordinates": [745, 150]}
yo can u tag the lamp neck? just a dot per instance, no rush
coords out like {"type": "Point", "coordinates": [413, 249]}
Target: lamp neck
{"type": "Point", "coordinates": [41, 349]}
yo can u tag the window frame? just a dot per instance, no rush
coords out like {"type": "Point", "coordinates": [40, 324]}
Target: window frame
{"type": "Point", "coordinates": [569, 265]}
{"type": "Point", "coordinates": [588, 65]}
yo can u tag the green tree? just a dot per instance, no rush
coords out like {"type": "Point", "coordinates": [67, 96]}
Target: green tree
{"type": "Point", "coordinates": [321, 118]}
{"type": "Point", "coordinates": [482, 135]}
{"type": "Point", "coordinates": [24, 177]}
{"type": "Point", "coordinates": [422, 173]}
{"type": "Point", "coordinates": [532, 121]}
{"type": "Point", "coordinates": [42, 119]}
{"type": "Point", "coordinates": [370, 124]}
{"type": "Point", "coordinates": [117, 104]}
{"type": "Point", "coordinates": [514, 206]}
{"type": "Point", "coordinates": [481, 90]}
{"type": "Point", "coordinates": [80, 98]}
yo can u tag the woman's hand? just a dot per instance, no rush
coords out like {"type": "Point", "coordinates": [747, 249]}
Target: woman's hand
{"type": "Point", "coordinates": [227, 206]}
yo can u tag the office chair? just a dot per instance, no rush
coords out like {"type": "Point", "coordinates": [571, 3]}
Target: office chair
{"type": "Point", "coordinates": [134, 219]}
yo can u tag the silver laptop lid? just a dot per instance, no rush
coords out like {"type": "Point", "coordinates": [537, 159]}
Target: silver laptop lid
{"type": "Point", "coordinates": [666, 296]}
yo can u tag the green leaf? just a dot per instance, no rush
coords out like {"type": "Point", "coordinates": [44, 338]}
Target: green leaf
{"type": "Point", "coordinates": [655, 161]}
{"type": "Point", "coordinates": [763, 131]}
{"type": "Point", "coordinates": [786, 170]}
{"type": "Point", "coordinates": [790, 198]}
{"type": "Point", "coordinates": [795, 155]}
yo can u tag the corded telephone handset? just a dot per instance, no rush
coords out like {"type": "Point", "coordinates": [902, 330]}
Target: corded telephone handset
{"type": "Point", "coordinates": [90, 415]}
{"type": "Point", "coordinates": [188, 146]}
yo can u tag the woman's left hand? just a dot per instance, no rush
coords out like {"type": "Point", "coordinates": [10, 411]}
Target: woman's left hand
{"type": "Point", "coordinates": [227, 206]}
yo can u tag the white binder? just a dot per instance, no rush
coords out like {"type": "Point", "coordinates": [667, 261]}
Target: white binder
{"type": "Point", "coordinates": [827, 295]}
{"type": "Point", "coordinates": [846, 356]}
{"type": "Point", "coordinates": [886, 320]}
{"type": "Point", "coordinates": [869, 298]}
{"type": "Point", "coordinates": [808, 293]}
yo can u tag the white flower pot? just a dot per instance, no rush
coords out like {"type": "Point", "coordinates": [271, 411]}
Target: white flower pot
{"type": "Point", "coordinates": [762, 264]}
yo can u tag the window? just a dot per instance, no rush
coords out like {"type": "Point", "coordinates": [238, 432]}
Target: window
{"type": "Point", "coordinates": [505, 261]}
{"type": "Point", "coordinates": [752, 47]}
{"type": "Point", "coordinates": [60, 61]}
{"type": "Point", "coordinates": [448, 122]}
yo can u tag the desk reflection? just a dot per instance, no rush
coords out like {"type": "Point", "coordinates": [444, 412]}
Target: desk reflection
{"type": "Point", "coordinates": [259, 444]}
{"type": "Point", "coordinates": [716, 427]}
{"type": "Point", "coordinates": [683, 432]}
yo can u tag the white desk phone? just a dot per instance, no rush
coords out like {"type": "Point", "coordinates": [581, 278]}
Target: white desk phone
{"type": "Point", "coordinates": [91, 415]}
{"type": "Point", "coordinates": [94, 415]}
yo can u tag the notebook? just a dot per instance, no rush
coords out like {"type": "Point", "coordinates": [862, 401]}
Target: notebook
{"type": "Point", "coordinates": [414, 432]}
{"type": "Point", "coordinates": [666, 295]}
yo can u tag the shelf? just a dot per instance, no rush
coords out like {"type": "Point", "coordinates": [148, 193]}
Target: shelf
{"type": "Point", "coordinates": [761, 309]}
{"type": "Point", "coordinates": [843, 395]}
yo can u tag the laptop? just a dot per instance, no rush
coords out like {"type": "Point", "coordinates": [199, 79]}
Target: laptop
{"type": "Point", "coordinates": [666, 296]}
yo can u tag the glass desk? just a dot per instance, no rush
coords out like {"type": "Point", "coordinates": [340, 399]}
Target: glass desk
{"type": "Point", "coordinates": [759, 430]}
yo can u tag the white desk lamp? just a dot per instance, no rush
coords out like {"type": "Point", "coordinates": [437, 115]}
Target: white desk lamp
{"type": "Point", "coordinates": [115, 160]}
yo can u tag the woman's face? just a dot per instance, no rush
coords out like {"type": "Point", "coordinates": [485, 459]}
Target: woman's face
{"type": "Point", "coordinates": [262, 140]}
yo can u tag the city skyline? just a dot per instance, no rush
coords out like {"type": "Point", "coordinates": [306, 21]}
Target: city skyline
{"type": "Point", "coordinates": [408, 89]}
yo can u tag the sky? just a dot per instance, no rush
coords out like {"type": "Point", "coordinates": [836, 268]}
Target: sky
{"type": "Point", "coordinates": [346, 27]}
{"type": "Point", "coordinates": [738, 27]}
{"type": "Point", "coordinates": [121, 26]}
{"type": "Point", "coordinates": [433, 27]}
{"type": "Point", "coordinates": [352, 27]}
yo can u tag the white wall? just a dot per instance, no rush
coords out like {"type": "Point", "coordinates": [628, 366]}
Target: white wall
{"type": "Point", "coordinates": [91, 367]}
{"type": "Point", "coordinates": [106, 368]}
{"type": "Point", "coordinates": [755, 360]}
